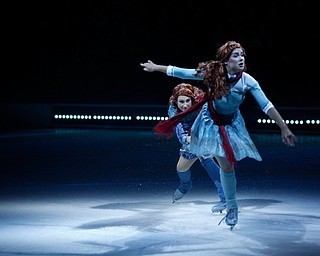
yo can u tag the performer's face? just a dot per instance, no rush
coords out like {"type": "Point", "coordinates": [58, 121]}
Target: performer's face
{"type": "Point", "coordinates": [236, 61]}
{"type": "Point", "coordinates": [184, 102]}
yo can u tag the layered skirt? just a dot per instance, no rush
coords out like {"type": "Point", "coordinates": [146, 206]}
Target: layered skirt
{"type": "Point", "coordinates": [206, 139]}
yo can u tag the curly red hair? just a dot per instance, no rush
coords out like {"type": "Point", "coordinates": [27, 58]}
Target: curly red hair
{"type": "Point", "coordinates": [184, 89]}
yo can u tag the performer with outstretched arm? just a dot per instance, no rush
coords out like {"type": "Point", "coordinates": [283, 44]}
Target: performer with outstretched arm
{"type": "Point", "coordinates": [219, 129]}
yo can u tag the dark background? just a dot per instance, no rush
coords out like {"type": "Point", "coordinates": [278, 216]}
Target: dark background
{"type": "Point", "coordinates": [90, 51]}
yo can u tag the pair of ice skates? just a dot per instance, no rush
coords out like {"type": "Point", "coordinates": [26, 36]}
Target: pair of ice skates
{"type": "Point", "coordinates": [231, 217]}
{"type": "Point", "coordinates": [177, 195]}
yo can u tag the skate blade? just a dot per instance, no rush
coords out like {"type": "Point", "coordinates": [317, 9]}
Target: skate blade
{"type": "Point", "coordinates": [217, 211]}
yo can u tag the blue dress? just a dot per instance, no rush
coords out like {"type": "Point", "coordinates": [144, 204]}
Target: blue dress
{"type": "Point", "coordinates": [182, 132]}
{"type": "Point", "coordinates": [206, 139]}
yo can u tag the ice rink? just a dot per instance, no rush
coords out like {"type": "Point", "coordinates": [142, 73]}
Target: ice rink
{"type": "Point", "coordinates": [108, 192]}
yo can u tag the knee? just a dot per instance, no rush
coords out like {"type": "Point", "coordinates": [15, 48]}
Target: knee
{"type": "Point", "coordinates": [181, 168]}
{"type": "Point", "coordinates": [227, 167]}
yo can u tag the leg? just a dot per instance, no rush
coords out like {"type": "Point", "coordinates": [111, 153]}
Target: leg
{"type": "Point", "coordinates": [213, 170]}
{"type": "Point", "coordinates": [184, 187]}
{"type": "Point", "coordinates": [184, 164]}
{"type": "Point", "coordinates": [229, 184]}
{"type": "Point", "coordinates": [184, 174]}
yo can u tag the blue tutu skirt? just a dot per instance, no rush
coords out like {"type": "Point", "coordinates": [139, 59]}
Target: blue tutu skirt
{"type": "Point", "coordinates": [206, 139]}
{"type": "Point", "coordinates": [185, 152]}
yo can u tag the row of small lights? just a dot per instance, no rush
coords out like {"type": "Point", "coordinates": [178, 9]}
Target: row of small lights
{"type": "Point", "coordinates": [161, 118]}
{"type": "Point", "coordinates": [110, 117]}
{"type": "Point", "coordinates": [270, 121]}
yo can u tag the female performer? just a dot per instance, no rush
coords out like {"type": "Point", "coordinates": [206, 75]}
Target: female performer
{"type": "Point", "coordinates": [219, 129]}
{"type": "Point", "coordinates": [183, 97]}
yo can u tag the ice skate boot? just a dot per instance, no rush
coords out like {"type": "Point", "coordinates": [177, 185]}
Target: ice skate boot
{"type": "Point", "coordinates": [231, 217]}
{"type": "Point", "coordinates": [177, 195]}
{"type": "Point", "coordinates": [222, 205]}
{"type": "Point", "coordinates": [184, 187]}
{"type": "Point", "coordinates": [219, 207]}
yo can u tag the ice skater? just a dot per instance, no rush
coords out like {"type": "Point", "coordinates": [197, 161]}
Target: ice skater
{"type": "Point", "coordinates": [219, 129]}
{"type": "Point", "coordinates": [183, 97]}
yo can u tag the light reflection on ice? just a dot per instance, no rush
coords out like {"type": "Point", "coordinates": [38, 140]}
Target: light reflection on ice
{"type": "Point", "coordinates": [145, 226]}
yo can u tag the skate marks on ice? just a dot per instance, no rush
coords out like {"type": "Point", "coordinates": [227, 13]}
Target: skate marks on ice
{"type": "Point", "coordinates": [87, 226]}
{"type": "Point", "coordinates": [189, 227]}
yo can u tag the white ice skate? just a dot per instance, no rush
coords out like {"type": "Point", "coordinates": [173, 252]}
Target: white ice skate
{"type": "Point", "coordinates": [219, 207]}
{"type": "Point", "coordinates": [177, 195]}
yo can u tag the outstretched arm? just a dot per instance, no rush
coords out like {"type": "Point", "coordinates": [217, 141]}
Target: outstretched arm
{"type": "Point", "coordinates": [183, 73]}
{"type": "Point", "coordinates": [287, 136]}
{"type": "Point", "coordinates": [149, 66]}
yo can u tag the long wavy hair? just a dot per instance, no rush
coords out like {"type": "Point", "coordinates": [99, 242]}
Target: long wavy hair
{"type": "Point", "coordinates": [215, 77]}
{"type": "Point", "coordinates": [214, 71]}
